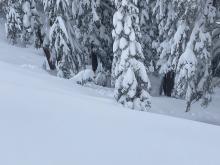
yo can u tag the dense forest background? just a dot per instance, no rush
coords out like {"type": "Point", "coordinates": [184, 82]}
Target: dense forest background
{"type": "Point", "coordinates": [139, 47]}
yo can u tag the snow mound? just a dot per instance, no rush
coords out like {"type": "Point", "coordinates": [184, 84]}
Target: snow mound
{"type": "Point", "coordinates": [84, 77]}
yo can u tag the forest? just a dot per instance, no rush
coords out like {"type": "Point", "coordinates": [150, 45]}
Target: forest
{"type": "Point", "coordinates": [141, 48]}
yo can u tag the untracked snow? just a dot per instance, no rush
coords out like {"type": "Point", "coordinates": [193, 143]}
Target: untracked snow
{"type": "Point", "coordinates": [45, 120]}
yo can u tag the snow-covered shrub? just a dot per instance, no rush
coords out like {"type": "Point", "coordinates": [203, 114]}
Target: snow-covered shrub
{"type": "Point", "coordinates": [103, 78]}
{"type": "Point", "coordinates": [84, 77]}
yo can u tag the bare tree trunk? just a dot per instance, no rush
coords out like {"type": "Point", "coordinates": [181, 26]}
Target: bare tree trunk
{"type": "Point", "coordinates": [168, 83]}
{"type": "Point", "coordinates": [94, 58]}
{"type": "Point", "coordinates": [46, 51]}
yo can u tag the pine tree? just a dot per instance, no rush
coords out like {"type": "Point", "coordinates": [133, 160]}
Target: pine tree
{"type": "Point", "coordinates": [149, 32]}
{"type": "Point", "coordinates": [14, 21]}
{"type": "Point", "coordinates": [29, 22]}
{"type": "Point", "coordinates": [49, 8]}
{"type": "Point", "coordinates": [60, 41]}
{"type": "Point", "coordinates": [3, 6]}
{"type": "Point", "coordinates": [36, 25]}
{"type": "Point", "coordinates": [166, 20]}
{"type": "Point", "coordinates": [194, 80]}
{"type": "Point", "coordinates": [105, 12]}
{"type": "Point", "coordinates": [86, 18]}
{"type": "Point", "coordinates": [94, 22]}
{"type": "Point", "coordinates": [104, 52]}
{"type": "Point", "coordinates": [185, 43]}
{"type": "Point", "coordinates": [132, 83]}
{"type": "Point", "coordinates": [26, 21]}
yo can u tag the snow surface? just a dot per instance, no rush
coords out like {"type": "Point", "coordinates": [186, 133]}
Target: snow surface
{"type": "Point", "coordinates": [45, 120]}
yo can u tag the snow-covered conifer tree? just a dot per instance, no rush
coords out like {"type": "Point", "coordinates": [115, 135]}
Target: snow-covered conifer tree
{"type": "Point", "coordinates": [131, 80]}
{"type": "Point", "coordinates": [94, 22]}
{"type": "Point", "coordinates": [13, 25]}
{"type": "Point", "coordinates": [194, 65]}
{"type": "Point", "coordinates": [36, 25]}
{"type": "Point", "coordinates": [27, 30]}
{"type": "Point", "coordinates": [85, 14]}
{"type": "Point", "coordinates": [3, 7]}
{"type": "Point", "coordinates": [31, 23]}
{"type": "Point", "coordinates": [166, 20]}
{"type": "Point", "coordinates": [49, 8]}
{"type": "Point", "coordinates": [104, 52]}
{"type": "Point", "coordinates": [149, 32]}
{"type": "Point", "coordinates": [60, 42]}
{"type": "Point", "coordinates": [105, 11]}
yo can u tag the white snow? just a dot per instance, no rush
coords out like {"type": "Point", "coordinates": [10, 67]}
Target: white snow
{"type": "Point", "coordinates": [84, 76]}
{"type": "Point", "coordinates": [27, 14]}
{"type": "Point", "coordinates": [123, 43]}
{"type": "Point", "coordinates": [47, 120]}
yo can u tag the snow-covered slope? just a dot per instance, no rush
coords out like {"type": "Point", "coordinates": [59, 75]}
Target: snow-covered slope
{"type": "Point", "coordinates": [45, 120]}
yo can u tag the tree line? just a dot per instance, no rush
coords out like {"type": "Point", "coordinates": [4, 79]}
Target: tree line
{"type": "Point", "coordinates": [124, 41]}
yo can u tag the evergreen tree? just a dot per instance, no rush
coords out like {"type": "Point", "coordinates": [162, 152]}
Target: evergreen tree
{"type": "Point", "coordinates": [185, 46]}
{"type": "Point", "coordinates": [132, 83]}
{"type": "Point", "coordinates": [14, 21]}
{"type": "Point", "coordinates": [104, 52]}
{"type": "Point", "coordinates": [36, 25]}
{"type": "Point", "coordinates": [94, 22]}
{"type": "Point", "coordinates": [49, 8]}
{"type": "Point", "coordinates": [3, 6]}
{"type": "Point", "coordinates": [105, 11]}
{"type": "Point", "coordinates": [166, 20]}
{"type": "Point", "coordinates": [60, 41]}
{"type": "Point", "coordinates": [149, 32]}
{"type": "Point", "coordinates": [194, 80]}
{"type": "Point", "coordinates": [26, 21]}
{"type": "Point", "coordinates": [86, 18]}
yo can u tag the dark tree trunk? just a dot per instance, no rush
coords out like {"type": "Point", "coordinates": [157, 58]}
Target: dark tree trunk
{"type": "Point", "coordinates": [48, 56]}
{"type": "Point", "coordinates": [94, 62]}
{"type": "Point", "coordinates": [94, 58]}
{"type": "Point", "coordinates": [46, 52]}
{"type": "Point", "coordinates": [168, 83]}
